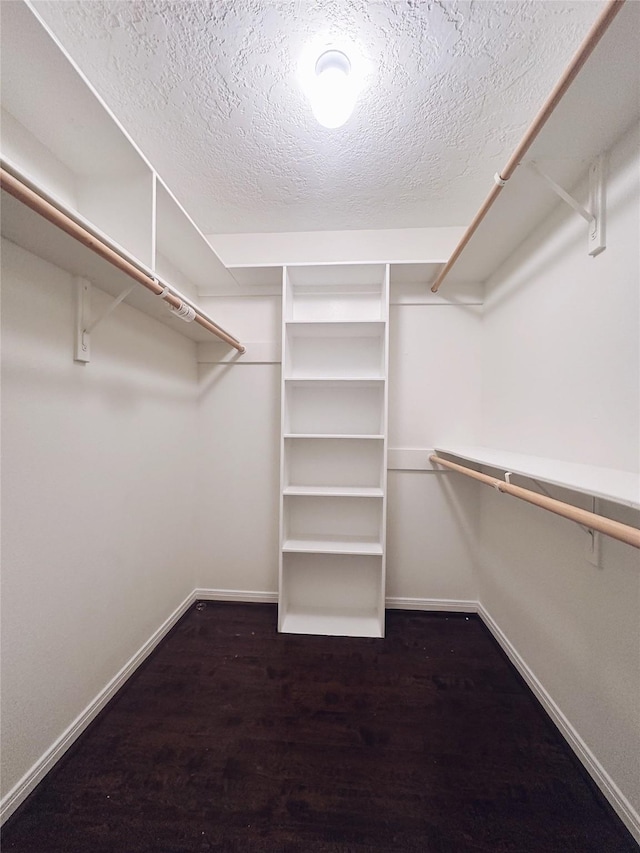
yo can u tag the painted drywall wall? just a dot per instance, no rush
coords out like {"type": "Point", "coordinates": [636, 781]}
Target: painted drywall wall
{"type": "Point", "coordinates": [238, 497]}
{"type": "Point", "coordinates": [97, 498]}
{"type": "Point", "coordinates": [430, 526]}
{"type": "Point", "coordinates": [239, 454]}
{"type": "Point", "coordinates": [434, 396]}
{"type": "Point", "coordinates": [561, 379]}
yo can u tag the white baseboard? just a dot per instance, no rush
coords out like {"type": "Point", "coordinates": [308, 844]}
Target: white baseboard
{"type": "Point", "coordinates": [446, 604]}
{"type": "Point", "coordinates": [391, 602]}
{"type": "Point", "coordinates": [240, 595]}
{"type": "Point", "coordinates": [25, 786]}
{"type": "Point", "coordinates": [621, 805]}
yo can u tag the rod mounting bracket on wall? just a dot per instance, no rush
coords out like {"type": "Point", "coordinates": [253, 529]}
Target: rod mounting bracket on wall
{"type": "Point", "coordinates": [596, 213]}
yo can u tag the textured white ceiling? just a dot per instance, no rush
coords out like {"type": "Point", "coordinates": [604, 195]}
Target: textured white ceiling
{"type": "Point", "coordinates": [209, 91]}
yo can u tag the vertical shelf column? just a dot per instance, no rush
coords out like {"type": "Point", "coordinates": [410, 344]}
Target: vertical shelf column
{"type": "Point", "coordinates": [333, 450]}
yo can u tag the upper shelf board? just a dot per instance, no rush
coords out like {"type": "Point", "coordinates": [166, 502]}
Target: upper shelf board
{"type": "Point", "coordinates": [180, 242]}
{"type": "Point", "coordinates": [621, 487]}
{"type": "Point", "coordinates": [46, 94]}
{"type": "Point", "coordinates": [58, 133]}
{"type": "Point", "coordinates": [32, 232]}
{"type": "Point", "coordinates": [270, 276]}
{"type": "Point", "coordinates": [599, 106]}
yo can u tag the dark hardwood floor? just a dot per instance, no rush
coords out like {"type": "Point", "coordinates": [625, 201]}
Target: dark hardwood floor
{"type": "Point", "coordinates": [232, 737]}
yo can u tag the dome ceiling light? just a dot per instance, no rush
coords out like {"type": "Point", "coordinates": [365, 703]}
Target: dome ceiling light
{"type": "Point", "coordinates": [332, 89]}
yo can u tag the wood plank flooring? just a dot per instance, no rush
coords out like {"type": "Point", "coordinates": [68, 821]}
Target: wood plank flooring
{"type": "Point", "coordinates": [232, 737]}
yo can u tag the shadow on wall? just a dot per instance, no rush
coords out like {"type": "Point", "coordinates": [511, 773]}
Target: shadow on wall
{"type": "Point", "coordinates": [466, 524]}
{"type": "Point", "coordinates": [564, 233]}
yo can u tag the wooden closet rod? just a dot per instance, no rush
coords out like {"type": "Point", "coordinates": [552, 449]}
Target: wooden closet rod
{"type": "Point", "coordinates": [44, 208]}
{"type": "Point", "coordinates": [616, 529]}
{"type": "Point", "coordinates": [580, 57]}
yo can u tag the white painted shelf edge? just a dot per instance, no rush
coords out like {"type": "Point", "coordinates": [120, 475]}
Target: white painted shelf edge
{"type": "Point", "coordinates": [336, 328]}
{"type": "Point", "coordinates": [335, 491]}
{"type": "Point", "coordinates": [621, 487]}
{"type": "Point", "coordinates": [31, 231]}
{"type": "Point", "coordinates": [351, 622]}
{"type": "Point", "coordinates": [374, 436]}
{"type": "Point", "coordinates": [357, 546]}
{"type": "Point", "coordinates": [326, 379]}
{"type": "Point", "coordinates": [581, 128]}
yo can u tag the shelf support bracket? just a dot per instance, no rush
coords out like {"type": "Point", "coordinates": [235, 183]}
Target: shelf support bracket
{"type": "Point", "coordinates": [595, 215]}
{"type": "Point", "coordinates": [84, 327]}
{"type": "Point", "coordinates": [593, 550]}
{"type": "Point", "coordinates": [546, 492]}
{"type": "Point", "coordinates": [82, 351]}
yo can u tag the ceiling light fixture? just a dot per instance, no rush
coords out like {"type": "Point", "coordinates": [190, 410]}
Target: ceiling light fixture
{"type": "Point", "coordinates": [332, 91]}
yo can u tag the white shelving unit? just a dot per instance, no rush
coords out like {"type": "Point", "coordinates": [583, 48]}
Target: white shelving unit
{"type": "Point", "coordinates": [621, 487]}
{"type": "Point", "coordinates": [333, 450]}
{"type": "Point", "coordinates": [57, 134]}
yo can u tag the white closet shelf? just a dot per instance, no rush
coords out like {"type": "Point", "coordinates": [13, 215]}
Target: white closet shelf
{"type": "Point", "coordinates": [336, 328]}
{"type": "Point", "coordinates": [183, 254]}
{"type": "Point", "coordinates": [335, 491]}
{"type": "Point", "coordinates": [359, 545]}
{"type": "Point", "coordinates": [368, 437]}
{"type": "Point", "coordinates": [69, 166]}
{"type": "Point", "coordinates": [621, 487]}
{"type": "Point", "coordinates": [337, 381]}
{"type": "Point", "coordinates": [575, 134]}
{"type": "Point", "coordinates": [30, 231]}
{"type": "Point", "coordinates": [334, 381]}
{"type": "Point", "coordinates": [350, 622]}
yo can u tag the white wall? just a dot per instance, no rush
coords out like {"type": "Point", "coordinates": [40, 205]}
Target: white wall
{"type": "Point", "coordinates": [239, 455]}
{"type": "Point", "coordinates": [97, 498]}
{"type": "Point", "coordinates": [561, 379]}
{"type": "Point", "coordinates": [434, 395]}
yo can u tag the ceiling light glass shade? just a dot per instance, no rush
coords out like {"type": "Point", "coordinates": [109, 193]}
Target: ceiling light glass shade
{"type": "Point", "coordinates": [332, 92]}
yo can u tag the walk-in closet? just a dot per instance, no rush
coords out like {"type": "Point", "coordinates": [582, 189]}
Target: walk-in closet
{"type": "Point", "coordinates": [320, 425]}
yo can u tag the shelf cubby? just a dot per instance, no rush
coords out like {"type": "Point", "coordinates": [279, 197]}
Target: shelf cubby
{"type": "Point", "coordinates": [337, 523]}
{"type": "Point", "coordinates": [314, 294]}
{"type": "Point", "coordinates": [335, 350]}
{"type": "Point", "coordinates": [317, 463]}
{"type": "Point", "coordinates": [334, 595]}
{"type": "Point", "coordinates": [334, 407]}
